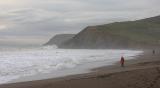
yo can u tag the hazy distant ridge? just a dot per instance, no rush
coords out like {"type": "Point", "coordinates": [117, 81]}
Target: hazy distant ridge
{"type": "Point", "coordinates": [59, 39]}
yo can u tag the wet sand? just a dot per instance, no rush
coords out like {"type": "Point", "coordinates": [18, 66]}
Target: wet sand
{"type": "Point", "coordinates": [142, 72]}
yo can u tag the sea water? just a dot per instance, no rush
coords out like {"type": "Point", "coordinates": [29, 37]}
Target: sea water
{"type": "Point", "coordinates": [18, 63]}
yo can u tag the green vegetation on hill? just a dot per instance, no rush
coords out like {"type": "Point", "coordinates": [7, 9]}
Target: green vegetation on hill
{"type": "Point", "coordinates": [140, 31]}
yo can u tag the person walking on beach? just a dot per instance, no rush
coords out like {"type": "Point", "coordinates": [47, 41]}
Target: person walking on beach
{"type": "Point", "coordinates": [153, 52]}
{"type": "Point", "coordinates": [122, 61]}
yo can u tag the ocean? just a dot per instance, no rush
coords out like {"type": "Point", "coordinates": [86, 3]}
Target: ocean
{"type": "Point", "coordinates": [19, 63]}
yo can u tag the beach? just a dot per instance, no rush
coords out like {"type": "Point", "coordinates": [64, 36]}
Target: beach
{"type": "Point", "coordinates": [80, 44]}
{"type": "Point", "coordinates": [142, 72]}
{"type": "Point", "coordinates": [41, 63]}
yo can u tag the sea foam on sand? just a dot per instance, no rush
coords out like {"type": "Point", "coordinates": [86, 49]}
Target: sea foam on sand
{"type": "Point", "coordinates": [15, 64]}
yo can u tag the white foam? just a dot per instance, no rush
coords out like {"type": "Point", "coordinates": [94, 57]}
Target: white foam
{"type": "Point", "coordinates": [20, 63]}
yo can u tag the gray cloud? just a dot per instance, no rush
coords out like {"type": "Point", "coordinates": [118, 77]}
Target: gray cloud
{"type": "Point", "coordinates": [38, 20]}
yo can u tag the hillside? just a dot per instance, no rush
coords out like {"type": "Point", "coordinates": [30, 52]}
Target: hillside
{"type": "Point", "coordinates": [59, 39]}
{"type": "Point", "coordinates": [131, 34]}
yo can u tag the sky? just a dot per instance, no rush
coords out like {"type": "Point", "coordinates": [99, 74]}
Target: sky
{"type": "Point", "coordinates": [34, 22]}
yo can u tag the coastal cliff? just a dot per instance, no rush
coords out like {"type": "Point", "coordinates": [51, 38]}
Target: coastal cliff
{"type": "Point", "coordinates": [59, 39]}
{"type": "Point", "coordinates": [129, 34]}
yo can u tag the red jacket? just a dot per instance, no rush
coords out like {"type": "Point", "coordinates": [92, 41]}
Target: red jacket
{"type": "Point", "coordinates": [122, 59]}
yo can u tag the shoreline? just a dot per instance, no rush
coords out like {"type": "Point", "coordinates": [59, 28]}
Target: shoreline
{"type": "Point", "coordinates": [137, 64]}
{"type": "Point", "coordinates": [79, 69]}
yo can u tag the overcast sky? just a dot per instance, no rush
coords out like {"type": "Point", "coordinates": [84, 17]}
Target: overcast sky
{"type": "Point", "coordinates": [31, 22]}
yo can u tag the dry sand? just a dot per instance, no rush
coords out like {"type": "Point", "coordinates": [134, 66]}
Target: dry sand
{"type": "Point", "coordinates": [143, 72]}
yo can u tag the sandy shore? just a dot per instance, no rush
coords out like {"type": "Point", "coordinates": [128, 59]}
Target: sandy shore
{"type": "Point", "coordinates": [143, 72]}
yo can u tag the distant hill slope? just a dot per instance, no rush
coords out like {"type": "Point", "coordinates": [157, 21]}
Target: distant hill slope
{"type": "Point", "coordinates": [131, 34]}
{"type": "Point", "coordinates": [59, 39]}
